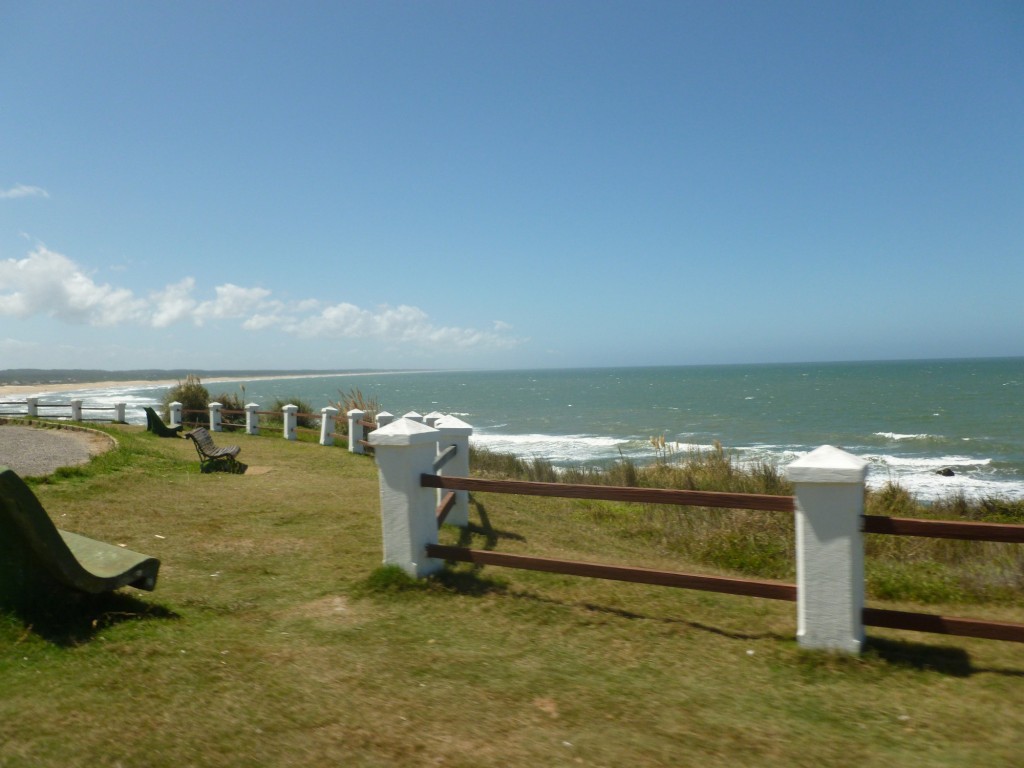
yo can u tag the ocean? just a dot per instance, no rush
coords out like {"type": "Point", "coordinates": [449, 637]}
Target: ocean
{"type": "Point", "coordinates": [907, 419]}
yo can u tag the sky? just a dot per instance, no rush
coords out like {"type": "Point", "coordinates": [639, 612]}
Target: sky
{"type": "Point", "coordinates": [491, 184]}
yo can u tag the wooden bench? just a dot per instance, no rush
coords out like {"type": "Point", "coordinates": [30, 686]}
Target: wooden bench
{"type": "Point", "coordinates": [156, 425]}
{"type": "Point", "coordinates": [38, 559]}
{"type": "Point", "coordinates": [210, 456]}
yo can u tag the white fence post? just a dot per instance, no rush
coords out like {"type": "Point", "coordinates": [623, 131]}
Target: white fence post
{"type": "Point", "coordinates": [215, 422]}
{"type": "Point", "coordinates": [290, 421]}
{"type": "Point", "coordinates": [76, 410]}
{"type": "Point", "coordinates": [33, 405]}
{"type": "Point", "coordinates": [404, 450]}
{"type": "Point", "coordinates": [829, 486]}
{"type": "Point", "coordinates": [412, 415]}
{"type": "Point", "coordinates": [175, 413]}
{"type": "Point", "coordinates": [327, 425]}
{"type": "Point", "coordinates": [454, 431]}
{"type": "Point", "coordinates": [119, 412]}
{"type": "Point", "coordinates": [431, 418]}
{"type": "Point", "coordinates": [252, 419]}
{"type": "Point", "coordinates": [384, 418]}
{"type": "Point", "coordinates": [355, 431]}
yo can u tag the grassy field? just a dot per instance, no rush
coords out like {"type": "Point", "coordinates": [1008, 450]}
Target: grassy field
{"type": "Point", "coordinates": [274, 639]}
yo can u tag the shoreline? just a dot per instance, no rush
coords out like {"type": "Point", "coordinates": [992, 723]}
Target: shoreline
{"type": "Point", "coordinates": [34, 390]}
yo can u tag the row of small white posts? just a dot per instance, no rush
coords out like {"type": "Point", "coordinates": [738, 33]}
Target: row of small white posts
{"type": "Point", "coordinates": [829, 489]}
{"type": "Point", "coordinates": [32, 409]}
{"type": "Point", "coordinates": [289, 417]}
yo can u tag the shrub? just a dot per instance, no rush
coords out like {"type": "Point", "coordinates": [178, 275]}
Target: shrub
{"type": "Point", "coordinates": [305, 418]}
{"type": "Point", "coordinates": [192, 395]}
{"type": "Point", "coordinates": [354, 399]}
{"type": "Point", "coordinates": [231, 403]}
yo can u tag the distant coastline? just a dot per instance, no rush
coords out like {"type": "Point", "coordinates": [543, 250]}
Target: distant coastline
{"type": "Point", "coordinates": [25, 381]}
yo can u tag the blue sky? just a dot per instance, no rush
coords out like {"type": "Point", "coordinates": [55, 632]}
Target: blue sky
{"type": "Point", "coordinates": [338, 185]}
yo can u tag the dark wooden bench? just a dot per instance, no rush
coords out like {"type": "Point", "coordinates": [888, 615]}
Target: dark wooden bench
{"type": "Point", "coordinates": [37, 558]}
{"type": "Point", "coordinates": [210, 456]}
{"type": "Point", "coordinates": [156, 425]}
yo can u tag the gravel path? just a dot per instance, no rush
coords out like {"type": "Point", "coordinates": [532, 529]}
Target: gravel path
{"type": "Point", "coordinates": [33, 452]}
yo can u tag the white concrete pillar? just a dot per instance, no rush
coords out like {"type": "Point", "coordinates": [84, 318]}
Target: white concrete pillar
{"type": "Point", "coordinates": [404, 450]}
{"type": "Point", "coordinates": [454, 431]}
{"type": "Point", "coordinates": [175, 413]}
{"type": "Point", "coordinates": [829, 486]}
{"type": "Point", "coordinates": [431, 418]}
{"type": "Point", "coordinates": [290, 421]}
{"type": "Point", "coordinates": [76, 410]}
{"type": "Point", "coordinates": [252, 419]}
{"type": "Point", "coordinates": [327, 416]}
{"type": "Point", "coordinates": [413, 416]}
{"type": "Point", "coordinates": [384, 418]}
{"type": "Point", "coordinates": [119, 412]}
{"type": "Point", "coordinates": [215, 417]}
{"type": "Point", "coordinates": [355, 431]}
{"type": "Point", "coordinates": [33, 405]}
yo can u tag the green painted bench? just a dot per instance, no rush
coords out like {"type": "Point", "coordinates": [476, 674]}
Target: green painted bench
{"type": "Point", "coordinates": [37, 558]}
{"type": "Point", "coordinates": [210, 456]}
{"type": "Point", "coordinates": [156, 425]}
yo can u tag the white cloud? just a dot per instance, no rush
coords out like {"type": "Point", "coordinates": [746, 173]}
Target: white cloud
{"type": "Point", "coordinates": [48, 283]}
{"type": "Point", "coordinates": [393, 324]}
{"type": "Point", "coordinates": [51, 284]}
{"type": "Point", "coordinates": [232, 302]}
{"type": "Point", "coordinates": [173, 304]}
{"type": "Point", "coordinates": [22, 190]}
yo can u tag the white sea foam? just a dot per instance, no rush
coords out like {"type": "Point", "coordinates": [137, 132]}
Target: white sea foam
{"type": "Point", "coordinates": [928, 463]}
{"type": "Point", "coordinates": [929, 486]}
{"type": "Point", "coordinates": [898, 436]}
{"type": "Point", "coordinates": [555, 448]}
{"type": "Point", "coordinates": [135, 399]}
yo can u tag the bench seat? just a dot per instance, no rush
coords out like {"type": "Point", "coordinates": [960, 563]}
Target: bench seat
{"type": "Point", "coordinates": [37, 557]}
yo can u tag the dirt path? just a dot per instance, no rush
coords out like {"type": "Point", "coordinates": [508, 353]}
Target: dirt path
{"type": "Point", "coordinates": [36, 451]}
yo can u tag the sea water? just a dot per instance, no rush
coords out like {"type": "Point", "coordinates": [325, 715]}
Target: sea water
{"type": "Point", "coordinates": [906, 419]}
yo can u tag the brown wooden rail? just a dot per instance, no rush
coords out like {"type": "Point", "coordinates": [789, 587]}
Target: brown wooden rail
{"type": "Point", "coordinates": [944, 529]}
{"type": "Point", "coordinates": [762, 502]}
{"type": "Point", "coordinates": [748, 587]}
{"type": "Point", "coordinates": [944, 625]}
{"type": "Point", "coordinates": [877, 617]}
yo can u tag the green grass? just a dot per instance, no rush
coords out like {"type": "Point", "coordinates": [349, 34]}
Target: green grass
{"type": "Point", "coordinates": [275, 638]}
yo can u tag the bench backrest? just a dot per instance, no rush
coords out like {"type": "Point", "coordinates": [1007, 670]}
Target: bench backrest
{"type": "Point", "coordinates": [202, 437]}
{"type": "Point", "coordinates": [35, 555]}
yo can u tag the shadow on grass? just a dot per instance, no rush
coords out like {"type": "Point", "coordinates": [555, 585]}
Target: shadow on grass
{"type": "Point", "coordinates": [945, 660]}
{"type": "Point", "coordinates": [227, 467]}
{"type": "Point", "coordinates": [491, 535]}
{"type": "Point", "coordinates": [72, 619]}
{"type": "Point", "coordinates": [926, 658]}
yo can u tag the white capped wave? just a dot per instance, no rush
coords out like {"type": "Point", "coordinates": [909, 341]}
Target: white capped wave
{"type": "Point", "coordinates": [135, 399]}
{"type": "Point", "coordinates": [555, 448]}
{"type": "Point", "coordinates": [898, 436]}
{"type": "Point", "coordinates": [929, 486]}
{"type": "Point", "coordinates": [928, 463]}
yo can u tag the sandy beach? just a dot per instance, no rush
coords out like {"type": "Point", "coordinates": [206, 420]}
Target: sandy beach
{"type": "Point", "coordinates": [26, 390]}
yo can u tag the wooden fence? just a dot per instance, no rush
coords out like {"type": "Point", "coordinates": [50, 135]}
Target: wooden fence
{"type": "Point", "coordinates": [829, 593]}
{"type": "Point", "coordinates": [73, 410]}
